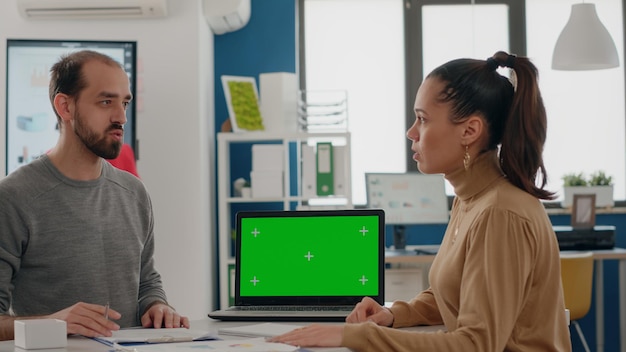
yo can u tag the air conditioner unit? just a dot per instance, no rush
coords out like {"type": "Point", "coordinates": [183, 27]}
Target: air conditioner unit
{"type": "Point", "coordinates": [91, 9]}
{"type": "Point", "coordinates": [226, 15]}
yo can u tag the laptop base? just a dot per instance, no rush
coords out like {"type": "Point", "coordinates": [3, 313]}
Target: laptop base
{"type": "Point", "coordinates": [300, 316]}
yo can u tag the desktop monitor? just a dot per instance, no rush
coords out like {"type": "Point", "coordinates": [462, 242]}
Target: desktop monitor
{"type": "Point", "coordinates": [407, 199]}
{"type": "Point", "coordinates": [31, 125]}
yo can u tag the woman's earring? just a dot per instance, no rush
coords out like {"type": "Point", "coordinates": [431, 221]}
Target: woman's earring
{"type": "Point", "coordinates": [466, 158]}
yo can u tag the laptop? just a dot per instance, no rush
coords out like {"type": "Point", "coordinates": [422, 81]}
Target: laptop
{"type": "Point", "coordinates": [307, 265]}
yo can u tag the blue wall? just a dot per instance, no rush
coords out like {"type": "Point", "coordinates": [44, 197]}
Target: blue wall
{"type": "Point", "coordinates": [268, 44]}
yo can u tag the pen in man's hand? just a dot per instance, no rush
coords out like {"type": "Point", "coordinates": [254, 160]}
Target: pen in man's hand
{"type": "Point", "coordinates": [106, 311]}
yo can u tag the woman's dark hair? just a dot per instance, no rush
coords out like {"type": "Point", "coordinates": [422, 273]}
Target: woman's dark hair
{"type": "Point", "coordinates": [515, 116]}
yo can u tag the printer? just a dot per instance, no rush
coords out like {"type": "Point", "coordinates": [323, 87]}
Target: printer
{"type": "Point", "coordinates": [596, 237]}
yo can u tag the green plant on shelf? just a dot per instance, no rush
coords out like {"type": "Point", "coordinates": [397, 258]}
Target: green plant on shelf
{"type": "Point", "coordinates": [599, 178]}
{"type": "Point", "coordinates": [574, 180]}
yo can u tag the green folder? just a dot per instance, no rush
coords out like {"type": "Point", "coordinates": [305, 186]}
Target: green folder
{"type": "Point", "coordinates": [324, 168]}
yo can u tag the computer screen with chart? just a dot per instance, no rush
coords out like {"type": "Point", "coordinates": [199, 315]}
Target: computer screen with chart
{"type": "Point", "coordinates": [408, 198]}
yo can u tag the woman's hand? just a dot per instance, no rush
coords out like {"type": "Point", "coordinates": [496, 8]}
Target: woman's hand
{"type": "Point", "coordinates": [369, 310]}
{"type": "Point", "coordinates": [315, 335]}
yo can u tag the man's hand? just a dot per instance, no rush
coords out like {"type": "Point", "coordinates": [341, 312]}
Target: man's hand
{"type": "Point", "coordinates": [161, 315]}
{"type": "Point", "coordinates": [88, 319]}
{"type": "Point", "coordinates": [369, 310]}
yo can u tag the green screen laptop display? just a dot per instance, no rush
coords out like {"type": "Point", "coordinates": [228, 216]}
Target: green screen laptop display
{"type": "Point", "coordinates": [317, 257]}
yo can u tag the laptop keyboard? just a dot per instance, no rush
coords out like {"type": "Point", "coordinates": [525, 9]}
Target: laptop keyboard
{"type": "Point", "coordinates": [295, 308]}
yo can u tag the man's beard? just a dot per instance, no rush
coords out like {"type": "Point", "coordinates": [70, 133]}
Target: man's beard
{"type": "Point", "coordinates": [96, 144]}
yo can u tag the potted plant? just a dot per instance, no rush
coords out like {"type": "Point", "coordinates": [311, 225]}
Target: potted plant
{"type": "Point", "coordinates": [574, 180]}
{"type": "Point", "coordinates": [598, 183]}
{"type": "Point", "coordinates": [246, 190]}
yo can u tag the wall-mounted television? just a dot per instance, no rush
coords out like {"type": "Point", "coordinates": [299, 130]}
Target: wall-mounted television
{"type": "Point", "coordinates": [31, 125]}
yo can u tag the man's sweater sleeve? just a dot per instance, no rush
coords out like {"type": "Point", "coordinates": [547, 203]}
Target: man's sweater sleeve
{"type": "Point", "coordinates": [150, 284]}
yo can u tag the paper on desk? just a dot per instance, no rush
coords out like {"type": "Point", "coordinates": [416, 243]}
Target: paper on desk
{"type": "Point", "coordinates": [258, 330]}
{"type": "Point", "coordinates": [149, 335]}
{"type": "Point", "coordinates": [248, 345]}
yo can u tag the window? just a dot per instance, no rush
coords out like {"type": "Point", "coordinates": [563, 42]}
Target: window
{"type": "Point", "coordinates": [473, 30]}
{"type": "Point", "coordinates": [586, 128]}
{"type": "Point", "coordinates": [359, 46]}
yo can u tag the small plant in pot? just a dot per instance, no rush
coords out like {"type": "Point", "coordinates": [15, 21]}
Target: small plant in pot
{"type": "Point", "coordinates": [598, 183]}
{"type": "Point", "coordinates": [574, 180]}
{"type": "Point", "coordinates": [599, 178]}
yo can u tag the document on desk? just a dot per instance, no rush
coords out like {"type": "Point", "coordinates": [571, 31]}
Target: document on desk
{"type": "Point", "coordinates": [152, 336]}
{"type": "Point", "coordinates": [247, 345]}
{"type": "Point", "coordinates": [258, 330]}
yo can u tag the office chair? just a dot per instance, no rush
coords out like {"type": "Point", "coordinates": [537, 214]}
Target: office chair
{"type": "Point", "coordinates": [577, 279]}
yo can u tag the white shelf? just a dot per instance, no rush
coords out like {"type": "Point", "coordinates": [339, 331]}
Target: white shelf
{"type": "Point", "coordinates": [276, 200]}
{"type": "Point", "coordinates": [274, 136]}
{"type": "Point", "coordinates": [226, 200]}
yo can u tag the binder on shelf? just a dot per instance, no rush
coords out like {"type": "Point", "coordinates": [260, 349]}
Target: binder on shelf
{"type": "Point", "coordinates": [309, 179]}
{"type": "Point", "coordinates": [339, 170]}
{"type": "Point", "coordinates": [324, 169]}
{"type": "Point", "coordinates": [309, 171]}
{"type": "Point", "coordinates": [231, 285]}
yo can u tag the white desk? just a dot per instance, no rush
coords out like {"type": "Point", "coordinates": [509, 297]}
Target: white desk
{"type": "Point", "coordinates": [599, 256]}
{"type": "Point", "coordinates": [81, 344]}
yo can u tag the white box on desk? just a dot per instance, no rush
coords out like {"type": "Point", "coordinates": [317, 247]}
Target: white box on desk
{"type": "Point", "coordinates": [40, 333]}
{"type": "Point", "coordinates": [268, 157]}
{"type": "Point", "coordinates": [266, 183]}
{"type": "Point", "coordinates": [278, 93]}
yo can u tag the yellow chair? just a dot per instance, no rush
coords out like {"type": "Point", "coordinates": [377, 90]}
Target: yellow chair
{"type": "Point", "coordinates": [577, 279]}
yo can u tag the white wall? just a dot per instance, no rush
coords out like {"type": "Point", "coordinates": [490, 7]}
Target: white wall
{"type": "Point", "coordinates": [174, 128]}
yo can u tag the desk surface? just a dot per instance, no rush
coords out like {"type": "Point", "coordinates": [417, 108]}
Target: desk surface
{"type": "Point", "coordinates": [77, 343]}
{"type": "Point", "coordinates": [411, 254]}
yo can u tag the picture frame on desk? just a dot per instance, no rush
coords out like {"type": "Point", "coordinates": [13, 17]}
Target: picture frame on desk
{"type": "Point", "coordinates": [583, 211]}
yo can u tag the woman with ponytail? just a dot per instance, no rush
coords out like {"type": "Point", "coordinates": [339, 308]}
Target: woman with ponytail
{"type": "Point", "coordinates": [495, 282]}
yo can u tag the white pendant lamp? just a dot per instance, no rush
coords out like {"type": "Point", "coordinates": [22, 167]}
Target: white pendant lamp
{"type": "Point", "coordinates": [584, 43]}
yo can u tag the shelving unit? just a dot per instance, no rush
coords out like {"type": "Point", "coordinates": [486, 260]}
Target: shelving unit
{"type": "Point", "coordinates": [290, 200]}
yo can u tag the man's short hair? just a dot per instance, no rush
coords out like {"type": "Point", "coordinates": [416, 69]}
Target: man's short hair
{"type": "Point", "coordinates": [66, 76]}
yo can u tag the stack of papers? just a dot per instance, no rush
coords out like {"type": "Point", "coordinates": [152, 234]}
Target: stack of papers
{"type": "Point", "coordinates": [247, 345]}
{"type": "Point", "coordinates": [140, 335]}
{"type": "Point", "coordinates": [258, 330]}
